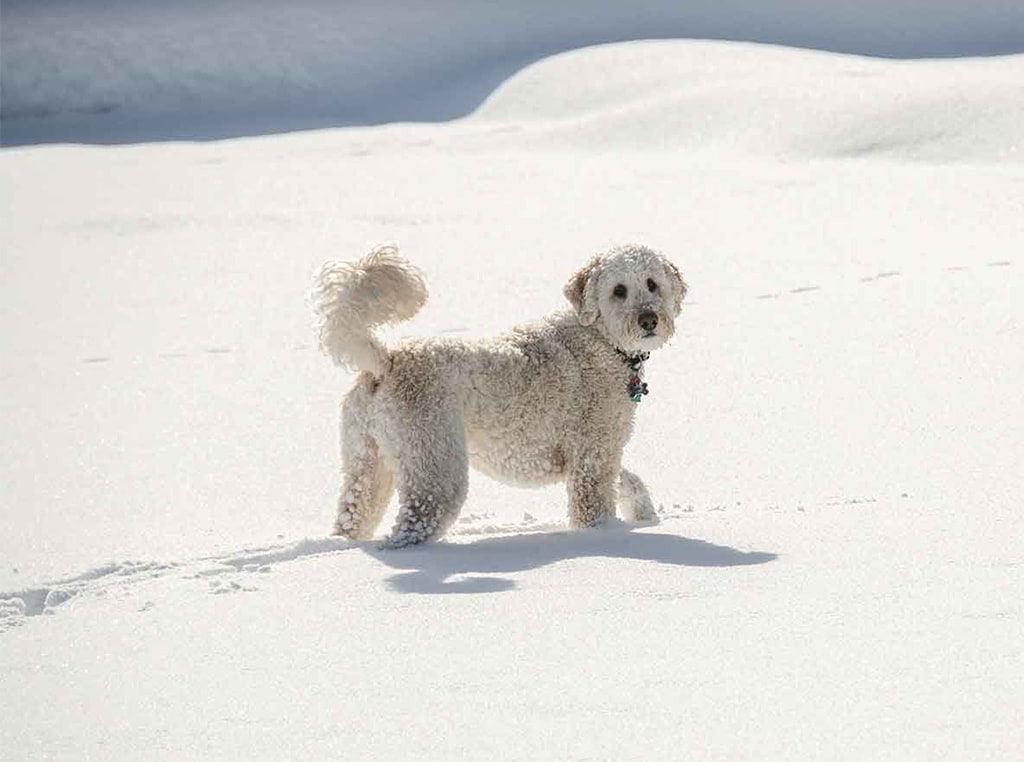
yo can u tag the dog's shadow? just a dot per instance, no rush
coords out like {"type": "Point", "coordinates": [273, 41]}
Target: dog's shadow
{"type": "Point", "coordinates": [429, 569]}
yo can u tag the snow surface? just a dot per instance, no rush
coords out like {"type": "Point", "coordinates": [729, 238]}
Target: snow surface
{"type": "Point", "coordinates": [833, 439]}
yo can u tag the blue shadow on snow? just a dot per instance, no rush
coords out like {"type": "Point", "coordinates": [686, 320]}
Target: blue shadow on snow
{"type": "Point", "coordinates": [428, 569]}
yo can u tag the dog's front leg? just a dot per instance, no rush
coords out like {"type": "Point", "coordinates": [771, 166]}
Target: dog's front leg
{"type": "Point", "coordinates": [634, 501]}
{"type": "Point", "coordinates": [591, 486]}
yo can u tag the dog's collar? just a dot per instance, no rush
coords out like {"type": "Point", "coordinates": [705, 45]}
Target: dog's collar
{"type": "Point", "coordinates": [635, 387]}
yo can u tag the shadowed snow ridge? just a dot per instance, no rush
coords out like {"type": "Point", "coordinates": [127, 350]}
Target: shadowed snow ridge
{"type": "Point", "coordinates": [113, 71]}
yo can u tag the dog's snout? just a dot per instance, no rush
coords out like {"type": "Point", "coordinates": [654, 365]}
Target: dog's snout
{"type": "Point", "coordinates": [648, 320]}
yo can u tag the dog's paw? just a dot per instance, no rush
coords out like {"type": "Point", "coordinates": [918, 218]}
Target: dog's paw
{"type": "Point", "coordinates": [643, 511]}
{"type": "Point", "coordinates": [638, 509]}
{"type": "Point", "coordinates": [396, 541]}
{"type": "Point", "coordinates": [391, 542]}
{"type": "Point", "coordinates": [407, 533]}
{"type": "Point", "coordinates": [634, 501]}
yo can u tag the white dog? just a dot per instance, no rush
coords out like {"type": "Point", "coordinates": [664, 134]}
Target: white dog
{"type": "Point", "coordinates": [547, 402]}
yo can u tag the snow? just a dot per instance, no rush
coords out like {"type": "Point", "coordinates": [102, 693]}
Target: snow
{"type": "Point", "coordinates": [833, 439]}
{"type": "Point", "coordinates": [183, 69]}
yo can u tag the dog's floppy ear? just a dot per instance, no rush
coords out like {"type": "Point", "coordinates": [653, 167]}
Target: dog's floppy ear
{"type": "Point", "coordinates": [680, 287]}
{"type": "Point", "coordinates": [581, 293]}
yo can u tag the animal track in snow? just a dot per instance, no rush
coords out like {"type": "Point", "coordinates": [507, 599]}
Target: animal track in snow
{"type": "Point", "coordinates": [880, 276]}
{"type": "Point", "coordinates": [883, 275]}
{"type": "Point", "coordinates": [16, 606]}
{"type": "Point", "coordinates": [217, 587]}
{"type": "Point", "coordinates": [36, 601]}
{"type": "Point", "coordinates": [210, 351]}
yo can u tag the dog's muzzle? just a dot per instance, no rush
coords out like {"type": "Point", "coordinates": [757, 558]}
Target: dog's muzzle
{"type": "Point", "coordinates": [648, 321]}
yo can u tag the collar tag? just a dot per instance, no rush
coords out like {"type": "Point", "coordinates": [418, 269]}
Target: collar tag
{"type": "Point", "coordinates": [635, 387]}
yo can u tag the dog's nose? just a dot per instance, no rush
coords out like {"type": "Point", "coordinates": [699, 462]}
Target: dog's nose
{"type": "Point", "coordinates": [648, 320]}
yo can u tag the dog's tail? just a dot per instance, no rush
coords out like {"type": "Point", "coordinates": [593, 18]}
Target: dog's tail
{"type": "Point", "coordinates": [350, 299]}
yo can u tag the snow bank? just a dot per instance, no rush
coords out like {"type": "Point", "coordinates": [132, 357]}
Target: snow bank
{"type": "Point", "coordinates": [765, 101]}
{"type": "Point", "coordinates": [115, 70]}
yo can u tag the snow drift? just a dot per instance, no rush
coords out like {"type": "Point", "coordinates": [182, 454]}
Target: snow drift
{"type": "Point", "coordinates": [115, 70]}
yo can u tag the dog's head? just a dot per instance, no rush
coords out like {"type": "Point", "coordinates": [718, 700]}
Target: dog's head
{"type": "Point", "coordinates": [632, 294]}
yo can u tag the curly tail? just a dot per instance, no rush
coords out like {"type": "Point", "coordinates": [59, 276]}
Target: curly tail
{"type": "Point", "coordinates": [350, 299]}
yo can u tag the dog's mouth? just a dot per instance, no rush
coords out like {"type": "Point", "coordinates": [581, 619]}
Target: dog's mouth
{"type": "Point", "coordinates": [648, 340]}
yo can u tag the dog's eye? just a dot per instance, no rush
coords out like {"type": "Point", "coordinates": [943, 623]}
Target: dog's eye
{"type": "Point", "coordinates": [651, 286]}
{"type": "Point", "coordinates": [619, 292]}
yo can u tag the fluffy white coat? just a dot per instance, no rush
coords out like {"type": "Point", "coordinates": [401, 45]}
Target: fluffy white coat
{"type": "Point", "coordinates": [546, 402]}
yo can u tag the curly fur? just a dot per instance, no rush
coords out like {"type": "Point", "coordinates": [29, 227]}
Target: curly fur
{"type": "Point", "coordinates": [544, 403]}
{"type": "Point", "coordinates": [351, 298]}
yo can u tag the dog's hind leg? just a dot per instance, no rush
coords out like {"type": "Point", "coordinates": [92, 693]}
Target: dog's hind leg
{"type": "Point", "coordinates": [634, 501]}
{"type": "Point", "coordinates": [433, 479]}
{"type": "Point", "coordinates": [366, 488]}
{"type": "Point", "coordinates": [367, 481]}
